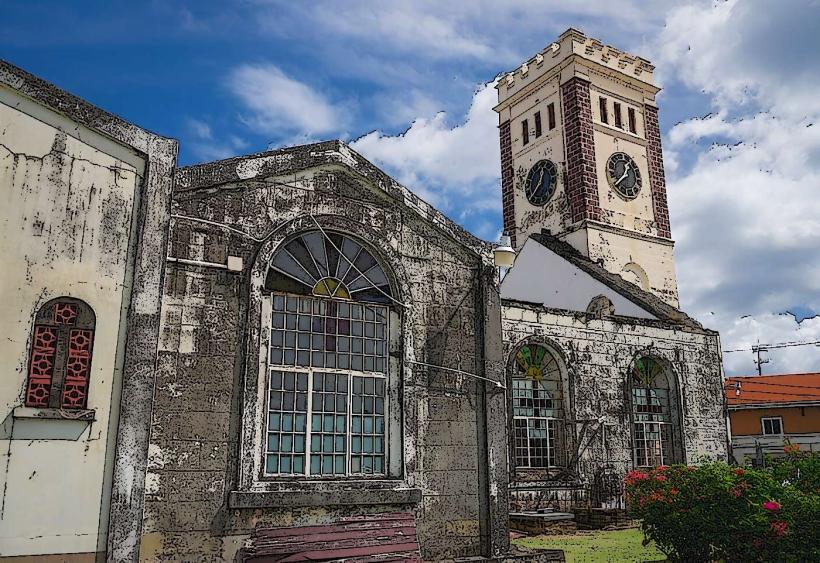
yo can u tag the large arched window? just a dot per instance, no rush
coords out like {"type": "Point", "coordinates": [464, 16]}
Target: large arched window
{"type": "Point", "coordinates": [653, 413]}
{"type": "Point", "coordinates": [329, 384]}
{"type": "Point", "coordinates": [537, 407]}
{"type": "Point", "coordinates": [60, 358]}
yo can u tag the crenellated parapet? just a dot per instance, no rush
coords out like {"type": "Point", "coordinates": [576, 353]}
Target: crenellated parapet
{"type": "Point", "coordinates": [574, 42]}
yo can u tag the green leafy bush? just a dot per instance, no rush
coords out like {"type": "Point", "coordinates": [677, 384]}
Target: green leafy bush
{"type": "Point", "coordinates": [719, 512]}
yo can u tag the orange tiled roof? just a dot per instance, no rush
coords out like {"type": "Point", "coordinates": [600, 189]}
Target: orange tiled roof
{"type": "Point", "coordinates": [786, 388]}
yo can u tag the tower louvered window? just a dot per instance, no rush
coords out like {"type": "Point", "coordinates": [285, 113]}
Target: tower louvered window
{"type": "Point", "coordinates": [61, 352]}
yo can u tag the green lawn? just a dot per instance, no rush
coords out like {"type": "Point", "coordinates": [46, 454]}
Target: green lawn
{"type": "Point", "coordinates": [595, 547]}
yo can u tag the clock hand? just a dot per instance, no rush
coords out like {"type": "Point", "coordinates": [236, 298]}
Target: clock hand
{"type": "Point", "coordinates": [627, 168]}
{"type": "Point", "coordinates": [540, 178]}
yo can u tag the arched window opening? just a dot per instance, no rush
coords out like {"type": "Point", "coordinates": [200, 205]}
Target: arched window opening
{"type": "Point", "coordinates": [61, 351]}
{"type": "Point", "coordinates": [652, 414]}
{"type": "Point", "coordinates": [329, 378]}
{"type": "Point", "coordinates": [537, 408]}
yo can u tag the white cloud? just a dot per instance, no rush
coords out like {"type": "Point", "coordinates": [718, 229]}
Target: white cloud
{"type": "Point", "coordinates": [456, 167]}
{"type": "Point", "coordinates": [463, 30]}
{"type": "Point", "coordinates": [742, 188]}
{"type": "Point", "coordinates": [281, 105]}
{"type": "Point", "coordinates": [745, 332]}
{"type": "Point", "coordinates": [746, 51]}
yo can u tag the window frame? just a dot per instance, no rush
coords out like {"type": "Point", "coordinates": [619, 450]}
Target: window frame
{"type": "Point", "coordinates": [770, 419]}
{"type": "Point", "coordinates": [254, 478]}
{"type": "Point", "coordinates": [69, 360]}
{"type": "Point", "coordinates": [666, 419]}
{"type": "Point", "coordinates": [632, 120]}
{"type": "Point", "coordinates": [538, 129]}
{"type": "Point", "coordinates": [525, 132]}
{"type": "Point", "coordinates": [389, 464]}
{"type": "Point", "coordinates": [554, 424]}
{"type": "Point", "coordinates": [551, 116]}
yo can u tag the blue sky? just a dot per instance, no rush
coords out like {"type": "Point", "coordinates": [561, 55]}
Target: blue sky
{"type": "Point", "coordinates": [405, 82]}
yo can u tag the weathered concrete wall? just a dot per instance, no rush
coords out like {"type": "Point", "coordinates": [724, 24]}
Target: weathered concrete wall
{"type": "Point", "coordinates": [66, 229]}
{"type": "Point", "coordinates": [598, 354]}
{"type": "Point", "coordinates": [201, 501]}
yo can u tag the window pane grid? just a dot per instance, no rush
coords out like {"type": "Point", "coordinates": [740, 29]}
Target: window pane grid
{"type": "Point", "coordinates": [536, 413]}
{"type": "Point", "coordinates": [652, 443]}
{"type": "Point", "coordinates": [328, 424]}
{"type": "Point", "coordinates": [287, 423]}
{"type": "Point", "coordinates": [650, 405]}
{"type": "Point", "coordinates": [321, 333]}
{"type": "Point", "coordinates": [323, 420]}
{"type": "Point", "coordinates": [367, 426]}
{"type": "Point", "coordinates": [652, 419]}
{"type": "Point", "coordinates": [535, 441]}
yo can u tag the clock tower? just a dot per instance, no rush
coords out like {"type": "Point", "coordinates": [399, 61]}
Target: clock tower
{"type": "Point", "coordinates": [581, 158]}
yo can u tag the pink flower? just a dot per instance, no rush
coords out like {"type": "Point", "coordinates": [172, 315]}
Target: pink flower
{"type": "Point", "coordinates": [740, 471]}
{"type": "Point", "coordinates": [779, 528]}
{"type": "Point", "coordinates": [772, 505]}
{"type": "Point", "coordinates": [673, 491]}
{"type": "Point", "coordinates": [736, 492]}
{"type": "Point", "coordinates": [634, 476]}
{"type": "Point", "coordinates": [660, 478]}
{"type": "Point", "coordinates": [662, 468]}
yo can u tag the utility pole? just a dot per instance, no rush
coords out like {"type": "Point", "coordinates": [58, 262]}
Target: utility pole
{"type": "Point", "coordinates": [757, 349]}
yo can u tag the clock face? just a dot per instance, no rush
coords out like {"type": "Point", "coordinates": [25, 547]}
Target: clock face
{"type": "Point", "coordinates": [541, 182]}
{"type": "Point", "coordinates": [623, 175]}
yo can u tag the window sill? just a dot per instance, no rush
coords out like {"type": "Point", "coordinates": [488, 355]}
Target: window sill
{"type": "Point", "coordinates": [83, 415]}
{"type": "Point", "coordinates": [324, 494]}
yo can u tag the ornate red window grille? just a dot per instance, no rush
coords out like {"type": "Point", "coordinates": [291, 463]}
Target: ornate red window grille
{"type": "Point", "coordinates": [61, 351]}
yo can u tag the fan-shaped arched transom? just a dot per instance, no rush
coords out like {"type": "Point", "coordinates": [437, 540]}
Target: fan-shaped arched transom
{"type": "Point", "coordinates": [328, 264]}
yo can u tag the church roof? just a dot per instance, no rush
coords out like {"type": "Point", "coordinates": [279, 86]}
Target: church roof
{"type": "Point", "coordinates": [647, 301]}
{"type": "Point", "coordinates": [294, 159]}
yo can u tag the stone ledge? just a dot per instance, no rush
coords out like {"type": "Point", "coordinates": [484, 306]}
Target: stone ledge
{"type": "Point", "coordinates": [344, 497]}
{"type": "Point", "coordinates": [84, 415]}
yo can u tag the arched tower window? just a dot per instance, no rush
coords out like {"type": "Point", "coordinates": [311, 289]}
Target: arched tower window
{"type": "Point", "coordinates": [60, 359]}
{"type": "Point", "coordinates": [329, 381]}
{"type": "Point", "coordinates": [653, 413]}
{"type": "Point", "coordinates": [537, 403]}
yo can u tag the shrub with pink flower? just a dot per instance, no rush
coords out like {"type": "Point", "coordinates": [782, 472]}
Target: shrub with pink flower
{"type": "Point", "coordinates": [716, 512]}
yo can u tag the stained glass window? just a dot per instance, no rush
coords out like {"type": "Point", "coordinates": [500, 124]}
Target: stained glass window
{"type": "Point", "coordinates": [537, 407]}
{"type": "Point", "coordinates": [60, 357]}
{"type": "Point", "coordinates": [651, 413]}
{"type": "Point", "coordinates": [331, 265]}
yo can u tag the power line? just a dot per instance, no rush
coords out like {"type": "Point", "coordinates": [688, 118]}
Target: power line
{"type": "Point", "coordinates": [743, 380]}
{"type": "Point", "coordinates": [755, 347]}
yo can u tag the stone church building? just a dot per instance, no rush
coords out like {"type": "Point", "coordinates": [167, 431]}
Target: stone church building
{"type": "Point", "coordinates": [292, 337]}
